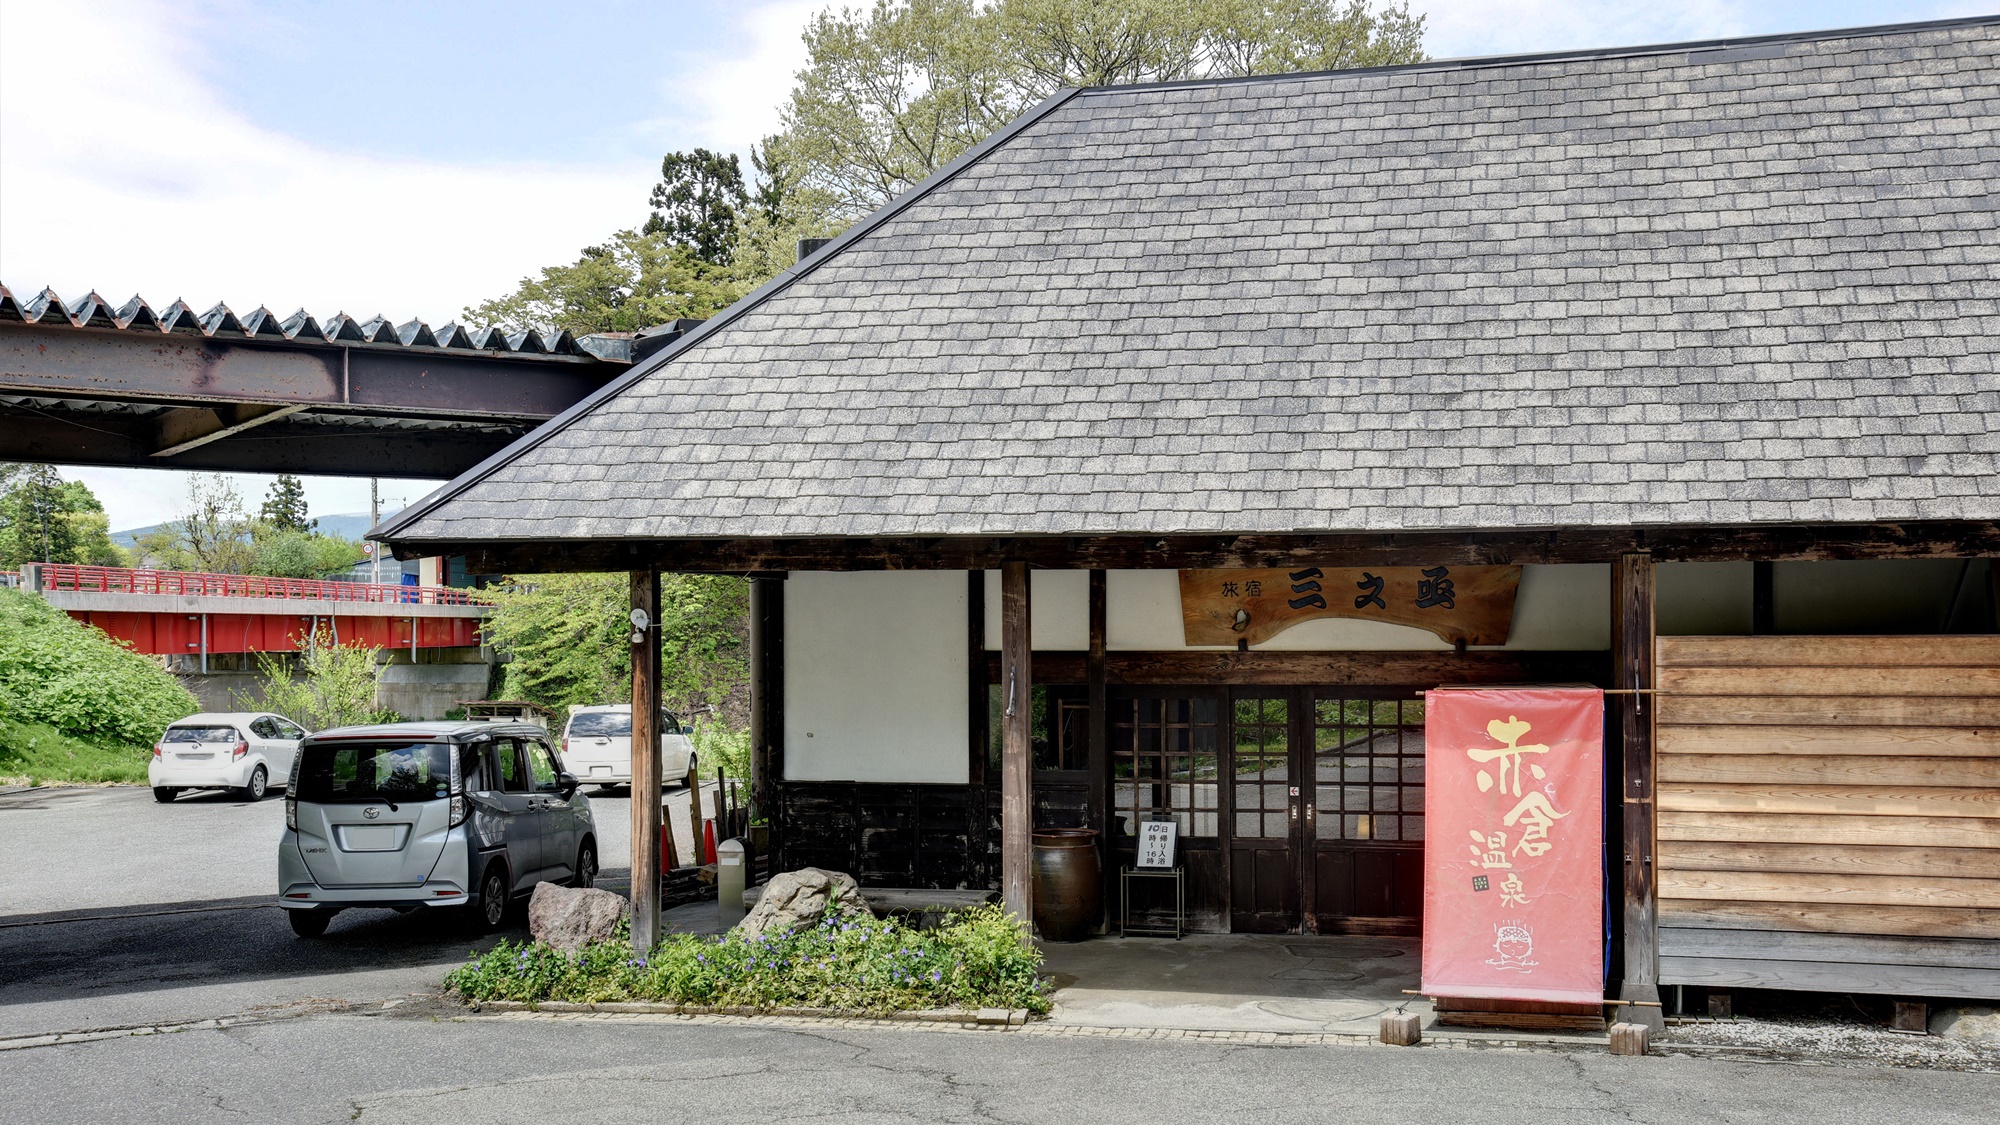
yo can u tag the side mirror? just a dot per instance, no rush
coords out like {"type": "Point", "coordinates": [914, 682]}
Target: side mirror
{"type": "Point", "coordinates": [568, 783]}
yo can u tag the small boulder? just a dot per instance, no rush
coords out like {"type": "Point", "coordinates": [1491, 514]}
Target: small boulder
{"type": "Point", "coordinates": [1976, 1025]}
{"type": "Point", "coordinates": [802, 898]}
{"type": "Point", "coordinates": [569, 918]}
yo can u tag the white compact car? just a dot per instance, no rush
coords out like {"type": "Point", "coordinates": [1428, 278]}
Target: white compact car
{"type": "Point", "coordinates": [597, 746]}
{"type": "Point", "coordinates": [243, 751]}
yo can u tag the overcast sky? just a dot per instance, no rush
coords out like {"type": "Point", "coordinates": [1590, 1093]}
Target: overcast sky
{"type": "Point", "coordinates": [410, 158]}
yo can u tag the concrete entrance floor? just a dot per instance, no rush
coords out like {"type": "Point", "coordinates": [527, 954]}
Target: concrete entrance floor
{"type": "Point", "coordinates": [1235, 982]}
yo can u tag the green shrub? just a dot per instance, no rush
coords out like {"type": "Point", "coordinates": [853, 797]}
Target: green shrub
{"type": "Point", "coordinates": [40, 753]}
{"type": "Point", "coordinates": [333, 686]}
{"type": "Point", "coordinates": [717, 744]}
{"type": "Point", "coordinates": [58, 671]}
{"type": "Point", "coordinates": [979, 958]}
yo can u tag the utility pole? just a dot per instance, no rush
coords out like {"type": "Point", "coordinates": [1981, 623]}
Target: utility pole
{"type": "Point", "coordinates": [374, 517]}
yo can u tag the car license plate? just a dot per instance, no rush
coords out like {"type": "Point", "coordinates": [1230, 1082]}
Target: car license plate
{"type": "Point", "coordinates": [190, 756]}
{"type": "Point", "coordinates": [600, 771]}
{"type": "Point", "coordinates": [370, 837]}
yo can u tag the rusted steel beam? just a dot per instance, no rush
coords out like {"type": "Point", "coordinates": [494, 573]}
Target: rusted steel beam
{"type": "Point", "coordinates": [191, 427]}
{"type": "Point", "coordinates": [284, 446]}
{"type": "Point", "coordinates": [134, 367]}
{"type": "Point", "coordinates": [1927, 539]}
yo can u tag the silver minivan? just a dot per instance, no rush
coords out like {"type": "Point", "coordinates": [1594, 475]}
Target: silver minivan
{"type": "Point", "coordinates": [466, 815]}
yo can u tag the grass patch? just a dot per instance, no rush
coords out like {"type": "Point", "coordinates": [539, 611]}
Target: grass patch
{"type": "Point", "coordinates": [40, 753]}
{"type": "Point", "coordinates": [979, 958]}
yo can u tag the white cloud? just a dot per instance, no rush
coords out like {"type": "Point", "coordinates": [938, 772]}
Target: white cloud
{"type": "Point", "coordinates": [134, 498]}
{"type": "Point", "coordinates": [124, 171]}
{"type": "Point", "coordinates": [733, 95]}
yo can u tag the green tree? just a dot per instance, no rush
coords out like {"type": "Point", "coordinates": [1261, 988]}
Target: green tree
{"type": "Point", "coordinates": [292, 553]}
{"type": "Point", "coordinates": [633, 281]}
{"type": "Point", "coordinates": [333, 685]}
{"type": "Point", "coordinates": [891, 94]}
{"type": "Point", "coordinates": [44, 518]}
{"type": "Point", "coordinates": [212, 533]}
{"type": "Point", "coordinates": [565, 636]}
{"type": "Point", "coordinates": [697, 202]}
{"type": "Point", "coordinates": [285, 505]}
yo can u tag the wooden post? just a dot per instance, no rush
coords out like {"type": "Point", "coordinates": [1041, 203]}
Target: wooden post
{"type": "Point", "coordinates": [697, 853]}
{"type": "Point", "coordinates": [767, 706]}
{"type": "Point", "coordinates": [1016, 729]}
{"type": "Point", "coordinates": [645, 760]}
{"type": "Point", "coordinates": [1632, 622]}
{"type": "Point", "coordinates": [1099, 753]}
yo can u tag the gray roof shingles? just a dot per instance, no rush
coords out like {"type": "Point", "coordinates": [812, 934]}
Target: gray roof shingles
{"type": "Point", "coordinates": [1605, 291]}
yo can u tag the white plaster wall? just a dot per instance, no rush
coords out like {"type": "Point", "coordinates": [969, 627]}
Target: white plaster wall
{"type": "Point", "coordinates": [1558, 607]}
{"type": "Point", "coordinates": [876, 677]}
{"type": "Point", "coordinates": [1059, 610]}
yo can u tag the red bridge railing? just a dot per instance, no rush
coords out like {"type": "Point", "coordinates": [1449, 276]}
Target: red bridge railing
{"type": "Point", "coordinates": [119, 580]}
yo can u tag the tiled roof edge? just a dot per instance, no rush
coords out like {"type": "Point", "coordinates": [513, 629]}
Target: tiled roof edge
{"type": "Point", "coordinates": [396, 524]}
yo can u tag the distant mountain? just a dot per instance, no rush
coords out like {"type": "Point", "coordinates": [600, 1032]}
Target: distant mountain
{"type": "Point", "coordinates": [347, 525]}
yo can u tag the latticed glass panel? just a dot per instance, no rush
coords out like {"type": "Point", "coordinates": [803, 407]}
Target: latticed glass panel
{"type": "Point", "coordinates": [1163, 763]}
{"type": "Point", "coordinates": [1368, 757]}
{"type": "Point", "coordinates": [1263, 776]}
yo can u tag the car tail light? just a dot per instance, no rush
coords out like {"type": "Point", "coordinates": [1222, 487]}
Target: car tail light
{"type": "Point", "coordinates": [460, 807]}
{"type": "Point", "coordinates": [159, 749]}
{"type": "Point", "coordinates": [565, 744]}
{"type": "Point", "coordinates": [291, 812]}
{"type": "Point", "coordinates": [242, 748]}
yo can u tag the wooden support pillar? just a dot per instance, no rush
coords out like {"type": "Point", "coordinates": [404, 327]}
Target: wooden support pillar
{"type": "Point", "coordinates": [1632, 622]}
{"type": "Point", "coordinates": [1017, 714]}
{"type": "Point", "coordinates": [1099, 746]}
{"type": "Point", "coordinates": [767, 704]}
{"type": "Point", "coordinates": [645, 759]}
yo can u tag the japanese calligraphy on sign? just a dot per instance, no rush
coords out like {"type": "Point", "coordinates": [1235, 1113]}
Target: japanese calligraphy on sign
{"type": "Point", "coordinates": [1470, 604]}
{"type": "Point", "coordinates": [1513, 883]}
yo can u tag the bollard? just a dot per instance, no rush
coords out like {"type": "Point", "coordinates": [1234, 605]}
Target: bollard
{"type": "Point", "coordinates": [730, 872]}
{"type": "Point", "coordinates": [1402, 1029]}
{"type": "Point", "coordinates": [1630, 1038]}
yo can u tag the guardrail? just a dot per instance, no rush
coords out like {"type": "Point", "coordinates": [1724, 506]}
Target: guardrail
{"type": "Point", "coordinates": [120, 580]}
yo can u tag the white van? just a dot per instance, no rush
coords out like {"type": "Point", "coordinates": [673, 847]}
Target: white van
{"type": "Point", "coordinates": [597, 746]}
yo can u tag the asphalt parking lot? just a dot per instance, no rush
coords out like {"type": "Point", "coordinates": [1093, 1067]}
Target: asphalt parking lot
{"type": "Point", "coordinates": [117, 910]}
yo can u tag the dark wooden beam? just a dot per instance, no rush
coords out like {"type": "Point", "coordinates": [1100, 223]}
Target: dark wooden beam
{"type": "Point", "coordinates": [767, 703]}
{"type": "Point", "coordinates": [1016, 732]}
{"type": "Point", "coordinates": [1286, 668]}
{"type": "Point", "coordinates": [1763, 597]}
{"type": "Point", "coordinates": [1931, 539]}
{"type": "Point", "coordinates": [645, 760]}
{"type": "Point", "coordinates": [1632, 619]}
{"type": "Point", "coordinates": [1098, 755]}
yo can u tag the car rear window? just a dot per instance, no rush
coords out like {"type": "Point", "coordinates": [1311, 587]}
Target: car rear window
{"type": "Point", "coordinates": [200, 734]}
{"type": "Point", "coordinates": [375, 771]}
{"type": "Point", "coordinates": [601, 724]}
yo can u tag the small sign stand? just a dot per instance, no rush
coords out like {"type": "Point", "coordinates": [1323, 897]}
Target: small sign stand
{"type": "Point", "coordinates": [1157, 841]}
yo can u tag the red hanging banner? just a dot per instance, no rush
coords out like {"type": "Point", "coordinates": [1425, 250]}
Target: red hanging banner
{"type": "Point", "coordinates": [1513, 879]}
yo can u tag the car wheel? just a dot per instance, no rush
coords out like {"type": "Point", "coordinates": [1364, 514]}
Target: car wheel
{"type": "Point", "coordinates": [165, 793]}
{"type": "Point", "coordinates": [490, 911]}
{"type": "Point", "coordinates": [586, 866]}
{"type": "Point", "coordinates": [310, 923]}
{"type": "Point", "coordinates": [260, 783]}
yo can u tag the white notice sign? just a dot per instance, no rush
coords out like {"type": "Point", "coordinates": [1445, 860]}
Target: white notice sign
{"type": "Point", "coordinates": [1156, 843]}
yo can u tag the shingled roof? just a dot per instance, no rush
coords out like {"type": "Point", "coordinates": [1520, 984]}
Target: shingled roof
{"type": "Point", "coordinates": [1738, 283]}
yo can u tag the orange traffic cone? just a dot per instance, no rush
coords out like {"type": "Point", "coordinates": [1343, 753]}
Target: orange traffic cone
{"type": "Point", "coordinates": [708, 840]}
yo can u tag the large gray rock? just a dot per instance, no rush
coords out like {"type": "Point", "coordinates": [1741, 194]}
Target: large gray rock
{"type": "Point", "coordinates": [1968, 1025]}
{"type": "Point", "coordinates": [569, 918]}
{"type": "Point", "coordinates": [802, 898]}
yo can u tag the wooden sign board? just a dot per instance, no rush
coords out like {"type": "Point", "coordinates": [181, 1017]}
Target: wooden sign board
{"type": "Point", "coordinates": [1473, 605]}
{"type": "Point", "coordinates": [1156, 843]}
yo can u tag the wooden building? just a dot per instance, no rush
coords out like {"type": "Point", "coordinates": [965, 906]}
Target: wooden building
{"type": "Point", "coordinates": [1700, 338]}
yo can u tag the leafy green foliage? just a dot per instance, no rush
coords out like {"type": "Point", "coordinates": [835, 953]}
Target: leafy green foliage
{"type": "Point", "coordinates": [60, 672]}
{"type": "Point", "coordinates": [633, 281]}
{"type": "Point", "coordinates": [44, 518]}
{"type": "Point", "coordinates": [36, 753]}
{"type": "Point", "coordinates": [213, 534]}
{"type": "Point", "coordinates": [719, 745]}
{"type": "Point", "coordinates": [894, 92]}
{"type": "Point", "coordinates": [566, 635]}
{"type": "Point", "coordinates": [333, 685]}
{"type": "Point", "coordinates": [980, 958]}
{"type": "Point", "coordinates": [285, 505]}
{"type": "Point", "coordinates": [697, 201]}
